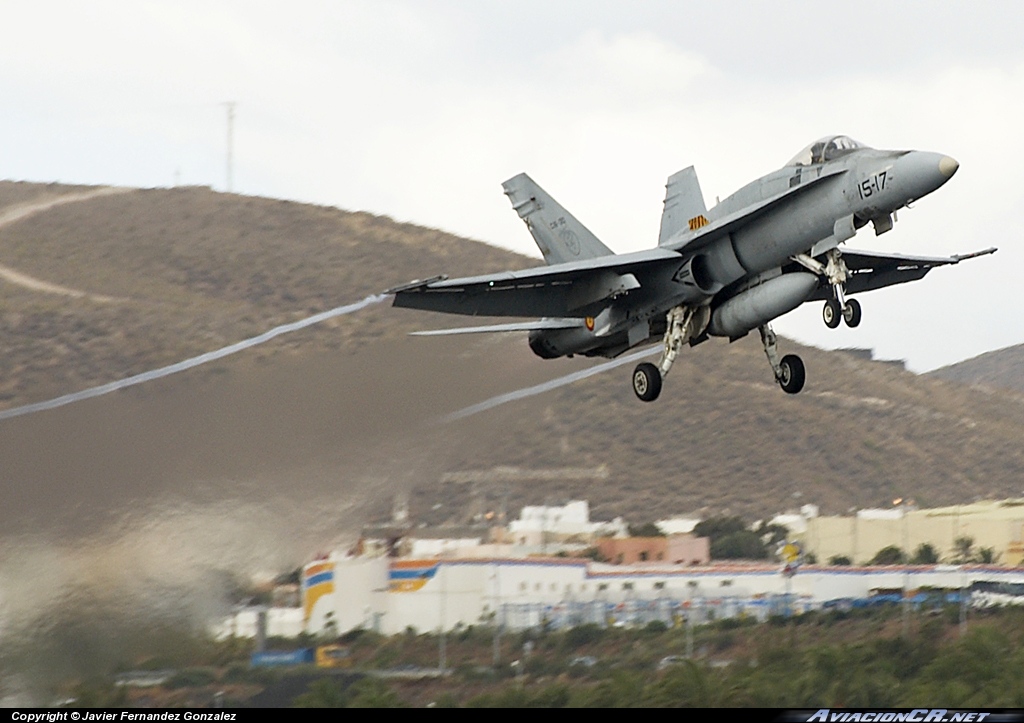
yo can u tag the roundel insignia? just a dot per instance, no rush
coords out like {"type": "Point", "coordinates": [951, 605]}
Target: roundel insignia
{"type": "Point", "coordinates": [589, 321]}
{"type": "Point", "coordinates": [571, 240]}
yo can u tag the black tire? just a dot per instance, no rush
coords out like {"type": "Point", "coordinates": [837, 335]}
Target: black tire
{"type": "Point", "coordinates": [793, 374]}
{"type": "Point", "coordinates": [831, 313]}
{"type": "Point", "coordinates": [646, 382]}
{"type": "Point", "coordinates": [851, 314]}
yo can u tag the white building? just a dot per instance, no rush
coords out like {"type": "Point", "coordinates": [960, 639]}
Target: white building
{"type": "Point", "coordinates": [538, 524]}
{"type": "Point", "coordinates": [392, 595]}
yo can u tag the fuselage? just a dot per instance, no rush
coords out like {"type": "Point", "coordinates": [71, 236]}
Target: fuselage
{"type": "Point", "coordinates": [812, 204]}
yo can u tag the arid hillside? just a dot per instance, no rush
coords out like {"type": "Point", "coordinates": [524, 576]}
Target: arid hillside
{"type": "Point", "coordinates": [324, 426]}
{"type": "Point", "coordinates": [999, 369]}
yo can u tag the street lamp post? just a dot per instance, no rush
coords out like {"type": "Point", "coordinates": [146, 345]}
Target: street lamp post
{"type": "Point", "coordinates": [692, 585]}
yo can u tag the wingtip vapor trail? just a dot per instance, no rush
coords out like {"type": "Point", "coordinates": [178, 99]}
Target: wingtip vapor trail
{"type": "Point", "coordinates": [192, 362]}
{"type": "Point", "coordinates": [546, 386]}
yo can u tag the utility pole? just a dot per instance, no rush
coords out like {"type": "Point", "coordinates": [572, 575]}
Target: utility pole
{"type": "Point", "coordinates": [498, 620]}
{"type": "Point", "coordinates": [906, 569]}
{"type": "Point", "coordinates": [692, 585]}
{"type": "Point", "coordinates": [963, 601]}
{"type": "Point", "coordinates": [230, 149]}
{"type": "Point", "coordinates": [442, 652]}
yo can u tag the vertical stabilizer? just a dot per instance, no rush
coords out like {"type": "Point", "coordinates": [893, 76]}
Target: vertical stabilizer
{"type": "Point", "coordinates": [558, 234]}
{"type": "Point", "coordinates": [684, 205]}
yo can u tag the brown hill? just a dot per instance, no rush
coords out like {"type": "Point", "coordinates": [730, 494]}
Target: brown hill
{"type": "Point", "coordinates": [1002, 368]}
{"type": "Point", "coordinates": [311, 432]}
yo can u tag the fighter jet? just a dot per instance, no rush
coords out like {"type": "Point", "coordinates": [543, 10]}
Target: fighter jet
{"type": "Point", "coordinates": [720, 272]}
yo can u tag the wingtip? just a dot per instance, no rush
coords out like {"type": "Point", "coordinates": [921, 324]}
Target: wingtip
{"type": "Point", "coordinates": [976, 254]}
{"type": "Point", "coordinates": [413, 285]}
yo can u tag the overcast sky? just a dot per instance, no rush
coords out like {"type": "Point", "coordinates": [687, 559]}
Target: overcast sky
{"type": "Point", "coordinates": [419, 110]}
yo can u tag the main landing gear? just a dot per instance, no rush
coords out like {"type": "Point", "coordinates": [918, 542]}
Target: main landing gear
{"type": "Point", "coordinates": [682, 322]}
{"type": "Point", "coordinates": [789, 371]}
{"type": "Point", "coordinates": [647, 382]}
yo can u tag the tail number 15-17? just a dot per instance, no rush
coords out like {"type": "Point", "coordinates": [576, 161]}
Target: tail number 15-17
{"type": "Point", "coordinates": [872, 185]}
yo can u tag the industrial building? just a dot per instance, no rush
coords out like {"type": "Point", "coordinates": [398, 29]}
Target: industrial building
{"type": "Point", "coordinates": [392, 595]}
{"type": "Point", "coordinates": [994, 524]}
{"type": "Point", "coordinates": [419, 579]}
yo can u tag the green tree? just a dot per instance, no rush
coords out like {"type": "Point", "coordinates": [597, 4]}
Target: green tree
{"type": "Point", "coordinates": [647, 529]}
{"type": "Point", "coordinates": [925, 554]}
{"type": "Point", "coordinates": [987, 555]}
{"type": "Point", "coordinates": [743, 545]}
{"type": "Point", "coordinates": [373, 693]}
{"type": "Point", "coordinates": [890, 555]}
{"type": "Point", "coordinates": [717, 527]}
{"type": "Point", "coordinates": [963, 550]}
{"type": "Point", "coordinates": [772, 535]}
{"type": "Point", "coordinates": [840, 560]}
{"type": "Point", "coordinates": [324, 693]}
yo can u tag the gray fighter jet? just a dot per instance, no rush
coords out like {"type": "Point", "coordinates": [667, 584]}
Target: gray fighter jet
{"type": "Point", "coordinates": [723, 271]}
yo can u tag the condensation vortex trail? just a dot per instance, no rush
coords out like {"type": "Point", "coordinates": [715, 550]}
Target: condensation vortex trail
{"type": "Point", "coordinates": [194, 361]}
{"type": "Point", "coordinates": [547, 386]}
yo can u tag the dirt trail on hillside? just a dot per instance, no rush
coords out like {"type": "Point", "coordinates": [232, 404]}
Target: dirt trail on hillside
{"type": "Point", "coordinates": [25, 210]}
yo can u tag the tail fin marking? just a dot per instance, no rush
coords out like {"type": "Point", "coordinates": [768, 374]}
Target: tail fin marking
{"type": "Point", "coordinates": [558, 234]}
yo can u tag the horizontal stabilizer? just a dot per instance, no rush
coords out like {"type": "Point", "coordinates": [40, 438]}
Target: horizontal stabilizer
{"type": "Point", "coordinates": [517, 326]}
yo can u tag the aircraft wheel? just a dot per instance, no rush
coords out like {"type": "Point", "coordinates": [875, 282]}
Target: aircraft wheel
{"type": "Point", "coordinates": [793, 376]}
{"type": "Point", "coordinates": [831, 313]}
{"type": "Point", "coordinates": [647, 382]}
{"type": "Point", "coordinates": [851, 314]}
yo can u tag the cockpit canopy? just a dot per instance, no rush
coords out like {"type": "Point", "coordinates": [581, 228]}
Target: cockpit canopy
{"type": "Point", "coordinates": [825, 149]}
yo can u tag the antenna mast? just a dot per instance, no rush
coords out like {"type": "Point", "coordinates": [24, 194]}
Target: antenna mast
{"type": "Point", "coordinates": [231, 142]}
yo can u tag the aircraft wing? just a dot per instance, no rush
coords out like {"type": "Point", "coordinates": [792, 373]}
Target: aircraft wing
{"type": "Point", "coordinates": [558, 291]}
{"type": "Point", "coordinates": [870, 270]}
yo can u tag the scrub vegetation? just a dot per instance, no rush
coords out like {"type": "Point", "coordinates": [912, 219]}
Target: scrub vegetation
{"type": "Point", "coordinates": [189, 270]}
{"type": "Point", "coordinates": [858, 658]}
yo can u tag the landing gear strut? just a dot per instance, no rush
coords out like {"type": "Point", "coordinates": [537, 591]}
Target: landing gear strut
{"type": "Point", "coordinates": [839, 306]}
{"type": "Point", "coordinates": [682, 323]}
{"type": "Point", "coordinates": [789, 371]}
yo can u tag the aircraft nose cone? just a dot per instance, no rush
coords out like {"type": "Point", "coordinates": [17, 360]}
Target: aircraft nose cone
{"type": "Point", "coordinates": [921, 172]}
